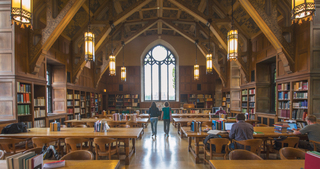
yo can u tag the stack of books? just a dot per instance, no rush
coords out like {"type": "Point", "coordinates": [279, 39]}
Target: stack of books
{"type": "Point", "coordinates": [281, 128]}
{"type": "Point", "coordinates": [25, 160]}
{"type": "Point", "coordinates": [312, 160]}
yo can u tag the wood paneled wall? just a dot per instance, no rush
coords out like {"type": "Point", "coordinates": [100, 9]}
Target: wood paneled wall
{"type": "Point", "coordinates": [59, 89]}
{"type": "Point", "coordinates": [7, 61]}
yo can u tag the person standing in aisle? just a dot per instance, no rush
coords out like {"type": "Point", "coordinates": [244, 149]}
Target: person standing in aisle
{"type": "Point", "coordinates": [154, 114]}
{"type": "Point", "coordinates": [166, 116]}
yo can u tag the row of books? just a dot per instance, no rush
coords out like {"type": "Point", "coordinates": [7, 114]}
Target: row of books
{"type": "Point", "coordinates": [244, 110]}
{"type": "Point", "coordinates": [77, 110]}
{"type": "Point", "coordinates": [70, 110]}
{"type": "Point", "coordinates": [82, 104]}
{"type": "Point", "coordinates": [76, 103]}
{"type": "Point", "coordinates": [39, 101]}
{"type": "Point", "coordinates": [244, 104]}
{"type": "Point", "coordinates": [251, 104]}
{"type": "Point", "coordinates": [252, 111]}
{"type": "Point", "coordinates": [300, 95]}
{"type": "Point", "coordinates": [300, 104]}
{"type": "Point", "coordinates": [83, 111]}
{"type": "Point", "coordinates": [77, 116]}
{"type": "Point", "coordinates": [312, 160]}
{"type": "Point", "coordinates": [23, 97]}
{"type": "Point", "coordinates": [82, 98]}
{"type": "Point", "coordinates": [244, 98]}
{"type": "Point", "coordinates": [283, 86]}
{"type": "Point", "coordinates": [23, 109]}
{"type": "Point", "coordinates": [244, 92]}
{"type": "Point", "coordinates": [70, 117]}
{"type": "Point", "coordinates": [284, 113]}
{"type": "Point", "coordinates": [227, 95]}
{"type": "Point", "coordinates": [76, 96]}
{"type": "Point", "coordinates": [23, 88]}
{"type": "Point", "coordinates": [39, 113]}
{"type": "Point", "coordinates": [69, 103]}
{"type": "Point", "coordinates": [69, 96]}
{"type": "Point", "coordinates": [300, 86]}
{"type": "Point", "coordinates": [251, 98]}
{"type": "Point", "coordinates": [284, 105]}
{"type": "Point", "coordinates": [101, 126]}
{"type": "Point", "coordinates": [299, 114]}
{"type": "Point", "coordinates": [249, 116]}
{"type": "Point", "coordinates": [252, 91]}
{"type": "Point", "coordinates": [283, 95]}
{"type": "Point", "coordinates": [27, 160]}
{"type": "Point", "coordinates": [218, 125]}
{"type": "Point", "coordinates": [281, 128]}
{"type": "Point", "coordinates": [126, 96]}
{"type": "Point", "coordinates": [40, 123]}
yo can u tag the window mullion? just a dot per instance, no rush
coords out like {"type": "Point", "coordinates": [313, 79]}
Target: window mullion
{"type": "Point", "coordinates": [168, 82]}
{"type": "Point", "coordinates": [159, 69]}
{"type": "Point", "coordinates": [151, 84]}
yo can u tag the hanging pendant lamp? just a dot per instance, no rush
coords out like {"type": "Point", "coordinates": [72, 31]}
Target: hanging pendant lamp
{"type": "Point", "coordinates": [89, 40]}
{"type": "Point", "coordinates": [123, 69]}
{"type": "Point", "coordinates": [302, 10]}
{"type": "Point", "coordinates": [209, 55]}
{"type": "Point", "coordinates": [112, 62]}
{"type": "Point", "coordinates": [196, 71]}
{"type": "Point", "coordinates": [21, 12]}
{"type": "Point", "coordinates": [232, 39]}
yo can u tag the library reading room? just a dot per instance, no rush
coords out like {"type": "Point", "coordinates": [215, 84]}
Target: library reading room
{"type": "Point", "coordinates": [163, 84]}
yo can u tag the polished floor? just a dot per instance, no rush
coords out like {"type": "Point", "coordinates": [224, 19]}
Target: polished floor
{"type": "Point", "coordinates": [162, 152]}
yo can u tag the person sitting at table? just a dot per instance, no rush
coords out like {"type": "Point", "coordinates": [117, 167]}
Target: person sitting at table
{"type": "Point", "coordinates": [240, 131]}
{"type": "Point", "coordinates": [154, 114]}
{"type": "Point", "coordinates": [220, 111]}
{"type": "Point", "coordinates": [312, 129]}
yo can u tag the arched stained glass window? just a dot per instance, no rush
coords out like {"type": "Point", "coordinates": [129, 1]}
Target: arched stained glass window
{"type": "Point", "coordinates": [159, 74]}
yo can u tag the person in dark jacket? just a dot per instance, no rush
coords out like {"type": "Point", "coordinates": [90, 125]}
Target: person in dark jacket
{"type": "Point", "coordinates": [154, 113]}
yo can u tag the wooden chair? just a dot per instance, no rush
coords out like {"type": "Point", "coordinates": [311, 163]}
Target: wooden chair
{"type": "Point", "coordinates": [207, 123]}
{"type": "Point", "coordinates": [90, 124]}
{"type": "Point", "coordinates": [290, 153]}
{"type": "Point", "coordinates": [243, 155]}
{"type": "Point", "coordinates": [73, 124]}
{"type": "Point", "coordinates": [218, 143]}
{"type": "Point", "coordinates": [315, 143]}
{"type": "Point", "coordinates": [72, 144]}
{"type": "Point", "coordinates": [37, 150]}
{"type": "Point", "coordinates": [39, 142]}
{"type": "Point", "coordinates": [9, 145]}
{"type": "Point", "coordinates": [104, 147]}
{"type": "Point", "coordinates": [254, 144]}
{"type": "Point", "coordinates": [81, 126]}
{"type": "Point", "coordinates": [1, 154]}
{"type": "Point", "coordinates": [132, 124]}
{"type": "Point", "coordinates": [79, 155]}
{"type": "Point", "coordinates": [289, 141]}
{"type": "Point", "coordinates": [112, 124]}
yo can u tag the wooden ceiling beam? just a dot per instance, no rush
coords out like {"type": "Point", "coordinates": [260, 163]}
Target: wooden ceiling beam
{"type": "Point", "coordinates": [86, 8]}
{"type": "Point", "coordinates": [117, 6]}
{"type": "Point", "coordinates": [53, 30]}
{"type": "Point", "coordinates": [202, 18]}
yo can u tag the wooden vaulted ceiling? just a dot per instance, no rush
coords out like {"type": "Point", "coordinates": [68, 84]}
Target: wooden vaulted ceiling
{"type": "Point", "coordinates": [148, 17]}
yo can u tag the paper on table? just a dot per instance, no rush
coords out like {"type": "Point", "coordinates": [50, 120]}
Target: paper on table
{"type": "Point", "coordinates": [55, 164]}
{"type": "Point", "coordinates": [214, 131]}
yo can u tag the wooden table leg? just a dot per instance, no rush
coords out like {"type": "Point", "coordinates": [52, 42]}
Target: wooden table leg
{"type": "Point", "coordinates": [179, 129]}
{"type": "Point", "coordinates": [126, 147]}
{"type": "Point", "coordinates": [196, 144]}
{"type": "Point", "coordinates": [189, 143]}
{"type": "Point", "coordinates": [134, 145]}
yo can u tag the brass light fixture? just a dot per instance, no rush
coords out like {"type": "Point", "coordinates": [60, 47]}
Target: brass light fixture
{"type": "Point", "coordinates": [21, 12]}
{"type": "Point", "coordinates": [123, 69]}
{"type": "Point", "coordinates": [89, 39]}
{"type": "Point", "coordinates": [302, 9]}
{"type": "Point", "coordinates": [209, 55]}
{"type": "Point", "coordinates": [112, 65]}
{"type": "Point", "coordinates": [196, 71]}
{"type": "Point", "coordinates": [232, 38]}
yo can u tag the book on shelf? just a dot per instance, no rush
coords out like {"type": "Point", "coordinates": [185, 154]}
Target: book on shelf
{"type": "Point", "coordinates": [69, 103]}
{"type": "Point", "coordinates": [69, 96]}
{"type": "Point", "coordinates": [285, 113]}
{"type": "Point", "coordinates": [244, 92]}
{"type": "Point", "coordinates": [77, 110]}
{"type": "Point", "coordinates": [76, 96]}
{"type": "Point", "coordinates": [70, 110]}
{"type": "Point", "coordinates": [207, 96]}
{"type": "Point", "coordinates": [23, 88]}
{"type": "Point", "coordinates": [299, 114]}
{"type": "Point", "coordinates": [283, 86]}
{"type": "Point", "coordinates": [244, 98]}
{"type": "Point", "coordinates": [76, 103]}
{"type": "Point", "coordinates": [227, 95]}
{"type": "Point", "coordinates": [251, 98]}
{"type": "Point", "coordinates": [23, 97]}
{"type": "Point", "coordinates": [284, 105]}
{"type": "Point", "coordinates": [283, 95]}
{"type": "Point", "coordinates": [252, 111]}
{"type": "Point", "coordinates": [28, 124]}
{"type": "Point", "coordinates": [39, 123]}
{"type": "Point", "coordinates": [224, 99]}
{"type": "Point", "coordinates": [300, 86]}
{"type": "Point", "coordinates": [252, 91]}
{"type": "Point", "coordinates": [39, 113]}
{"type": "Point", "coordinates": [39, 101]}
{"type": "Point", "coordinates": [300, 104]}
{"type": "Point", "coordinates": [23, 109]}
{"type": "Point", "coordinates": [312, 160]}
{"type": "Point", "coordinates": [300, 95]}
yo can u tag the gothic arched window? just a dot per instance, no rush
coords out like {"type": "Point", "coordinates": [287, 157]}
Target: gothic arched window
{"type": "Point", "coordinates": [159, 74]}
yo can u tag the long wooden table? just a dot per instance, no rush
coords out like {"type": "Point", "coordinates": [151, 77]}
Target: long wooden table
{"type": "Point", "coordinates": [124, 133]}
{"type": "Point", "coordinates": [80, 164]}
{"type": "Point", "coordinates": [256, 164]}
{"type": "Point", "coordinates": [111, 115]}
{"type": "Point", "coordinates": [87, 120]}
{"type": "Point", "coordinates": [189, 115]}
{"type": "Point", "coordinates": [267, 132]}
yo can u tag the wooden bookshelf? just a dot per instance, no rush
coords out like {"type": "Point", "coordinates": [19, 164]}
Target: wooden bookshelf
{"type": "Point", "coordinates": [226, 101]}
{"type": "Point", "coordinates": [88, 108]}
{"type": "Point", "coordinates": [123, 101]}
{"type": "Point", "coordinates": [248, 102]}
{"type": "Point", "coordinates": [244, 101]}
{"type": "Point", "coordinates": [83, 104]}
{"type": "Point", "coordinates": [24, 103]}
{"type": "Point", "coordinates": [39, 106]}
{"type": "Point", "coordinates": [70, 104]}
{"type": "Point", "coordinates": [199, 100]}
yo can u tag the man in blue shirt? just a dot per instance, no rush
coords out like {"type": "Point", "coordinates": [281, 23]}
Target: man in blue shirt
{"type": "Point", "coordinates": [241, 130]}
